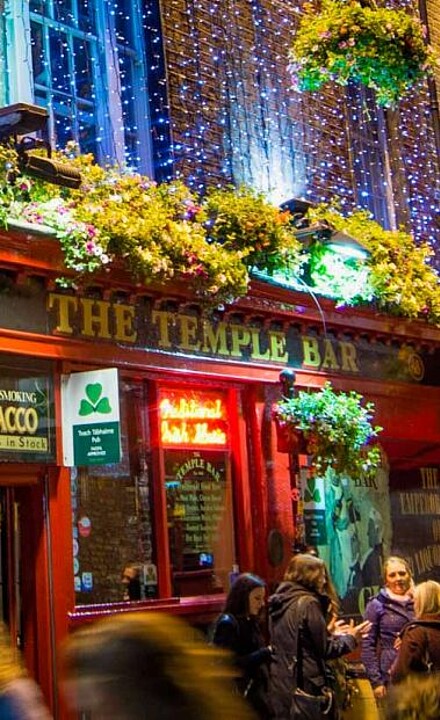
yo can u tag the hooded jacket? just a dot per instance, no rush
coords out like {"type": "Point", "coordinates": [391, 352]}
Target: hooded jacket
{"type": "Point", "coordinates": [388, 617]}
{"type": "Point", "coordinates": [420, 649]}
{"type": "Point", "coordinates": [301, 644]}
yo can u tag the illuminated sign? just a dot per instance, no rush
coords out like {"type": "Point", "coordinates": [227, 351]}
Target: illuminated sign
{"type": "Point", "coordinates": [193, 418]}
{"type": "Point", "coordinates": [26, 422]}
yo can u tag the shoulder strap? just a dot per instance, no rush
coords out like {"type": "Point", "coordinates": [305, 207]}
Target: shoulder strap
{"type": "Point", "coordinates": [297, 666]}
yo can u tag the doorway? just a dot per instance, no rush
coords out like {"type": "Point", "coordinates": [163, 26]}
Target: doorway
{"type": "Point", "coordinates": [24, 588]}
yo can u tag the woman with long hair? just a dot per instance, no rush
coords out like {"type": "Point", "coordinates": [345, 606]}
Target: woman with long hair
{"type": "Point", "coordinates": [302, 643]}
{"type": "Point", "coordinates": [239, 630]}
{"type": "Point", "coordinates": [420, 648]}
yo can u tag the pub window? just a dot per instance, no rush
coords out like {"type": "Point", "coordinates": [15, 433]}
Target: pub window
{"type": "Point", "coordinates": [194, 439]}
{"type": "Point", "coordinates": [112, 525]}
{"type": "Point", "coordinates": [96, 93]}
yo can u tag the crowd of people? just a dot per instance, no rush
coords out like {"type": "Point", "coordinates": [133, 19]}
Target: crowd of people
{"type": "Point", "coordinates": [267, 658]}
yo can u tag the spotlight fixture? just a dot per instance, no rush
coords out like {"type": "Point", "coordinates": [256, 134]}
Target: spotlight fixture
{"type": "Point", "coordinates": [22, 118]}
{"type": "Point", "coordinates": [297, 206]}
{"type": "Point", "coordinates": [50, 170]}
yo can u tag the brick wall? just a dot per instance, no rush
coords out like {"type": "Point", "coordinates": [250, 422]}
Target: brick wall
{"type": "Point", "coordinates": [235, 116]}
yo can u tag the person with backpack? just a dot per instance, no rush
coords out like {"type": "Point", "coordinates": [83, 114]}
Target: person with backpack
{"type": "Point", "coordinates": [420, 648]}
{"type": "Point", "coordinates": [238, 629]}
{"type": "Point", "coordinates": [302, 643]}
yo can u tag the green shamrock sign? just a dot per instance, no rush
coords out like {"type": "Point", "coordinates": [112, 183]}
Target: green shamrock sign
{"type": "Point", "coordinates": [312, 493]}
{"type": "Point", "coordinates": [94, 401]}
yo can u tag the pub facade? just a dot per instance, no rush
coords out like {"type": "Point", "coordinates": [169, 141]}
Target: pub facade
{"type": "Point", "coordinates": [137, 429]}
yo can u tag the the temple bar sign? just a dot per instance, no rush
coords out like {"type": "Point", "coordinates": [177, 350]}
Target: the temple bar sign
{"type": "Point", "coordinates": [91, 424]}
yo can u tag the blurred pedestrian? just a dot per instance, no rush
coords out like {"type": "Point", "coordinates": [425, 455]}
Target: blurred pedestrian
{"type": "Point", "coordinates": [416, 698]}
{"type": "Point", "coordinates": [420, 648]}
{"type": "Point", "coordinates": [20, 696]}
{"type": "Point", "coordinates": [147, 666]}
{"type": "Point", "coordinates": [388, 612]}
{"type": "Point", "coordinates": [302, 643]}
{"type": "Point", "coordinates": [239, 630]}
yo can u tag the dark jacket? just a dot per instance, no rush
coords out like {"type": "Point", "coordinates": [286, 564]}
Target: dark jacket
{"type": "Point", "coordinates": [316, 644]}
{"type": "Point", "coordinates": [420, 648]}
{"type": "Point", "coordinates": [388, 617]}
{"type": "Point", "coordinates": [243, 636]}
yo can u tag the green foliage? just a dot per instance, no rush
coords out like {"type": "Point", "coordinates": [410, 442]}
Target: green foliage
{"type": "Point", "coordinates": [381, 48]}
{"type": "Point", "coordinates": [337, 428]}
{"type": "Point", "coordinates": [160, 232]}
{"type": "Point", "coordinates": [163, 233]}
{"type": "Point", "coordinates": [241, 219]}
{"type": "Point", "coordinates": [400, 278]}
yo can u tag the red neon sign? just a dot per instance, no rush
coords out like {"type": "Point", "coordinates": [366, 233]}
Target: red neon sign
{"type": "Point", "coordinates": [192, 419]}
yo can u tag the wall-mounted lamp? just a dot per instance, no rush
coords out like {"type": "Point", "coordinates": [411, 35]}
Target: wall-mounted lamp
{"type": "Point", "coordinates": [22, 118]}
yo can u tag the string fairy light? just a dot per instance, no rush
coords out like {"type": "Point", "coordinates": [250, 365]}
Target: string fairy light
{"type": "Point", "coordinates": [201, 90]}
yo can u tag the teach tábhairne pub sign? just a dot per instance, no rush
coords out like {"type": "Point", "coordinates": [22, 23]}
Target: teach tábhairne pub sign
{"type": "Point", "coordinates": [91, 423]}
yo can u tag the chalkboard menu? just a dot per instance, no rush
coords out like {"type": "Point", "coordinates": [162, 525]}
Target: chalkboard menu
{"type": "Point", "coordinates": [198, 508]}
{"type": "Point", "coordinates": [415, 508]}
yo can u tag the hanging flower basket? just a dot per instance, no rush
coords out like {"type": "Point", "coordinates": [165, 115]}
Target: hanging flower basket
{"type": "Point", "coordinates": [337, 428]}
{"type": "Point", "coordinates": [382, 48]}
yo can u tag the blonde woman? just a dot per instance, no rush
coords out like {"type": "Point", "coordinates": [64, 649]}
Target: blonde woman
{"type": "Point", "coordinates": [388, 612]}
{"type": "Point", "coordinates": [420, 648]}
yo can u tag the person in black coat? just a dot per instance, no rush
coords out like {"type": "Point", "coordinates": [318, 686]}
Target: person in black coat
{"type": "Point", "coordinates": [238, 629]}
{"type": "Point", "coordinates": [300, 639]}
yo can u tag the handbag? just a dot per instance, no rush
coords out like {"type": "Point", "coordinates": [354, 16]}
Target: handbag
{"type": "Point", "coordinates": [310, 707]}
{"type": "Point", "coordinates": [305, 706]}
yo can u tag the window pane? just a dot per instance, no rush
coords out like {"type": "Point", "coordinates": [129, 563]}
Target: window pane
{"type": "Point", "coordinates": [199, 508]}
{"type": "Point", "coordinates": [37, 6]}
{"type": "Point", "coordinates": [63, 11]}
{"type": "Point", "coordinates": [39, 62]}
{"type": "Point", "coordinates": [112, 526]}
{"type": "Point", "coordinates": [62, 114]}
{"type": "Point", "coordinates": [83, 69]}
{"type": "Point", "coordinates": [87, 130]}
{"type": "Point", "coordinates": [59, 61]}
{"type": "Point", "coordinates": [86, 16]}
{"type": "Point", "coordinates": [123, 22]}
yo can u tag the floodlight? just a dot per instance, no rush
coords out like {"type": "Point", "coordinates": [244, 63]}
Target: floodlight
{"type": "Point", "coordinates": [50, 170]}
{"type": "Point", "coordinates": [22, 118]}
{"type": "Point", "coordinates": [347, 246]}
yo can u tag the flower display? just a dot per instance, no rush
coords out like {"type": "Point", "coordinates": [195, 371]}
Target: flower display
{"type": "Point", "coordinates": [396, 274]}
{"type": "Point", "coordinates": [337, 428]}
{"type": "Point", "coordinates": [160, 233]}
{"type": "Point", "coordinates": [382, 48]}
{"type": "Point", "coordinates": [214, 244]}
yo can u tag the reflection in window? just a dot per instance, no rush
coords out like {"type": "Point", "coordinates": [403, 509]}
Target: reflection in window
{"type": "Point", "coordinates": [112, 526]}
